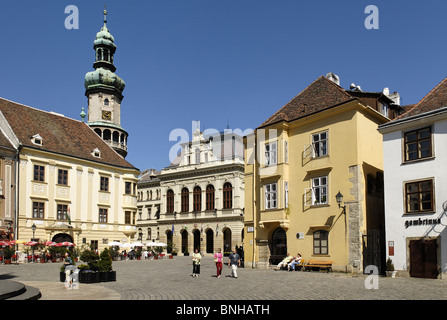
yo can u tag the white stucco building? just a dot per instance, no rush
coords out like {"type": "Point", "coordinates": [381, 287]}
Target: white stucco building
{"type": "Point", "coordinates": [415, 170]}
{"type": "Point", "coordinates": [201, 200]}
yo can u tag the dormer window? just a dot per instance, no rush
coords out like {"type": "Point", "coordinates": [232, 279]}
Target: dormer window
{"type": "Point", "coordinates": [106, 102]}
{"type": "Point", "coordinates": [96, 153]}
{"type": "Point", "coordinates": [36, 139]}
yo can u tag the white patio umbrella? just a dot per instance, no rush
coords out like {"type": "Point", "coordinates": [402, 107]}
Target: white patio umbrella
{"type": "Point", "coordinates": [114, 243]}
{"type": "Point", "coordinates": [151, 244]}
{"type": "Point", "coordinates": [137, 244]}
{"type": "Point", "coordinates": [125, 245]}
{"type": "Point", "coordinates": [161, 244]}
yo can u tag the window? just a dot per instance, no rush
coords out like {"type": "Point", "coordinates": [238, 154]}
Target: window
{"type": "Point", "coordinates": [62, 212]}
{"type": "Point", "coordinates": [319, 190]}
{"type": "Point", "coordinates": [319, 144]}
{"type": "Point", "coordinates": [210, 197]}
{"type": "Point", "coordinates": [106, 102]}
{"type": "Point", "coordinates": [227, 196]}
{"type": "Point", "coordinates": [270, 196]}
{"type": "Point", "coordinates": [286, 152]}
{"type": "Point", "coordinates": [102, 215]}
{"type": "Point", "coordinates": [286, 194]}
{"type": "Point", "coordinates": [39, 173]}
{"type": "Point", "coordinates": [321, 242]}
{"type": "Point", "coordinates": [197, 198]}
{"type": "Point", "coordinates": [128, 187]}
{"type": "Point", "coordinates": [185, 200]}
{"type": "Point", "coordinates": [419, 196]}
{"type": "Point", "coordinates": [170, 201]}
{"type": "Point", "coordinates": [104, 184]}
{"type": "Point", "coordinates": [38, 210]}
{"type": "Point", "coordinates": [270, 154]}
{"type": "Point", "coordinates": [62, 177]}
{"type": "Point", "coordinates": [96, 153]}
{"type": "Point", "coordinates": [418, 144]}
{"type": "Point", "coordinates": [197, 153]}
{"type": "Point", "coordinates": [128, 217]}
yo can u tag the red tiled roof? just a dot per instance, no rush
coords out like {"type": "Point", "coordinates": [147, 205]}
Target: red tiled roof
{"type": "Point", "coordinates": [59, 134]}
{"type": "Point", "coordinates": [435, 99]}
{"type": "Point", "coordinates": [319, 95]}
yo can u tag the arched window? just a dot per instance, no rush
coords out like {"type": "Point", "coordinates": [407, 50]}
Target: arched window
{"type": "Point", "coordinates": [106, 102]}
{"type": "Point", "coordinates": [210, 197]}
{"type": "Point", "coordinates": [197, 199]}
{"type": "Point", "coordinates": [227, 196]}
{"type": "Point", "coordinates": [321, 245]}
{"type": "Point", "coordinates": [185, 200]}
{"type": "Point", "coordinates": [170, 201]}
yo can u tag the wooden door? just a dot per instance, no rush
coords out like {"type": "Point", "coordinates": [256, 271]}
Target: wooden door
{"type": "Point", "coordinates": [423, 259]}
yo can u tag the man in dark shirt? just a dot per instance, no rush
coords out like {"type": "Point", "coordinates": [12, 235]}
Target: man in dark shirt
{"type": "Point", "coordinates": [234, 261]}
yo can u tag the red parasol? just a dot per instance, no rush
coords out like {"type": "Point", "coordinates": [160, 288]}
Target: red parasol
{"type": "Point", "coordinates": [64, 244]}
{"type": "Point", "coordinates": [4, 243]}
{"type": "Point", "coordinates": [31, 243]}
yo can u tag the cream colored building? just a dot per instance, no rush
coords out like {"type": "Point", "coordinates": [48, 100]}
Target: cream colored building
{"type": "Point", "coordinates": [71, 185]}
{"type": "Point", "coordinates": [202, 196]}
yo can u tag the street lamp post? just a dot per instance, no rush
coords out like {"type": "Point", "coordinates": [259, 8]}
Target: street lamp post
{"type": "Point", "coordinates": [339, 198]}
{"type": "Point", "coordinates": [33, 227]}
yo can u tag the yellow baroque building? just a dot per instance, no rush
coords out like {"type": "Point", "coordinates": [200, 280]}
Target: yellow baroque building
{"type": "Point", "coordinates": [72, 186]}
{"type": "Point", "coordinates": [322, 143]}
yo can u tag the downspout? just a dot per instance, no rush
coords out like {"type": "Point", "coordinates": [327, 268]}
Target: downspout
{"type": "Point", "coordinates": [254, 203]}
{"type": "Point", "coordinates": [16, 198]}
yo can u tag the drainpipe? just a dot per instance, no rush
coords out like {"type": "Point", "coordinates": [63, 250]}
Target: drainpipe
{"type": "Point", "coordinates": [254, 203]}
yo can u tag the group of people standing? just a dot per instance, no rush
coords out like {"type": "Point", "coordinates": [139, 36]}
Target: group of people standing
{"type": "Point", "coordinates": [234, 261]}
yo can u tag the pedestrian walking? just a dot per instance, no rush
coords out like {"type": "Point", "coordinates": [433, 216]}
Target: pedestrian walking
{"type": "Point", "coordinates": [196, 257]}
{"type": "Point", "coordinates": [234, 261]}
{"type": "Point", "coordinates": [218, 260]}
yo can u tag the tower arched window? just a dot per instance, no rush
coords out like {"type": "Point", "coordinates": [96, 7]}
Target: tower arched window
{"type": "Point", "coordinates": [227, 196]}
{"type": "Point", "coordinates": [106, 102]}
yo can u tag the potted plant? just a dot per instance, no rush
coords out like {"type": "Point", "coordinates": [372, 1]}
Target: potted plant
{"type": "Point", "coordinates": [8, 253]}
{"type": "Point", "coordinates": [105, 267]}
{"type": "Point", "coordinates": [389, 268]}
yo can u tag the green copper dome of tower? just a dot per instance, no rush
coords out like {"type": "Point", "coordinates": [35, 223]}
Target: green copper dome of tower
{"type": "Point", "coordinates": [104, 90]}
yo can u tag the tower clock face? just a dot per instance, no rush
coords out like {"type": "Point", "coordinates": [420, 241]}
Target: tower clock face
{"type": "Point", "coordinates": [107, 115]}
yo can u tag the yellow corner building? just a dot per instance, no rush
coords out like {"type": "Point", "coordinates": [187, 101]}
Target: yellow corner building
{"type": "Point", "coordinates": [321, 144]}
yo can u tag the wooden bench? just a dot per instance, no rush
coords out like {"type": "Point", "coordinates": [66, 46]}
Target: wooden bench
{"type": "Point", "coordinates": [321, 264]}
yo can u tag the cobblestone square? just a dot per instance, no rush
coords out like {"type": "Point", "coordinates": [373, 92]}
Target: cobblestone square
{"type": "Point", "coordinates": [172, 280]}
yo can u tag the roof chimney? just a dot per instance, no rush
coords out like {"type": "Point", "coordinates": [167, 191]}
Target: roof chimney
{"type": "Point", "coordinates": [333, 77]}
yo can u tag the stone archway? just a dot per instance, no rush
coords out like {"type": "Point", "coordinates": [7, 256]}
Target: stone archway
{"type": "Point", "coordinates": [227, 241]}
{"type": "Point", "coordinates": [209, 241]}
{"type": "Point", "coordinates": [62, 237]}
{"type": "Point", "coordinates": [196, 235]}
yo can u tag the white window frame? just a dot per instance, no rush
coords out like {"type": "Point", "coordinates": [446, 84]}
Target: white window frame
{"type": "Point", "coordinates": [286, 151]}
{"type": "Point", "coordinates": [271, 195]}
{"type": "Point", "coordinates": [286, 194]}
{"type": "Point", "coordinates": [271, 154]}
{"type": "Point", "coordinates": [320, 145]}
{"type": "Point", "coordinates": [318, 191]}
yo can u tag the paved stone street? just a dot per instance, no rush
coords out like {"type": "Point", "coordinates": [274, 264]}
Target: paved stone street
{"type": "Point", "coordinates": [172, 280]}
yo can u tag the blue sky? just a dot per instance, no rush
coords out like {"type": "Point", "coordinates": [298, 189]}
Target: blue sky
{"type": "Point", "coordinates": [225, 63]}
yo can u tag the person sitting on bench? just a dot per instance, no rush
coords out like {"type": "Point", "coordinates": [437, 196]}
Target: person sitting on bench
{"type": "Point", "coordinates": [295, 261]}
{"type": "Point", "coordinates": [284, 262]}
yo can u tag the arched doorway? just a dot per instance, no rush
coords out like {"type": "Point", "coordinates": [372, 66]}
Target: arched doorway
{"type": "Point", "coordinates": [184, 234]}
{"type": "Point", "coordinates": [227, 240]}
{"type": "Point", "coordinates": [62, 237]}
{"type": "Point", "coordinates": [169, 241]}
{"type": "Point", "coordinates": [278, 245]}
{"type": "Point", "coordinates": [196, 234]}
{"type": "Point", "coordinates": [209, 241]}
